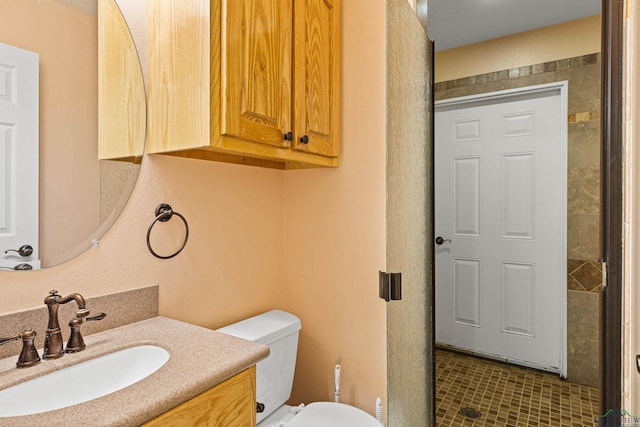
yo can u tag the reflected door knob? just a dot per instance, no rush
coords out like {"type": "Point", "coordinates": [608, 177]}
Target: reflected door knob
{"type": "Point", "coordinates": [440, 240]}
{"type": "Point", "coordinates": [24, 250]}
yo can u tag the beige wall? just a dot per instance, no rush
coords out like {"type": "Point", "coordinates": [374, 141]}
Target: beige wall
{"type": "Point", "coordinates": [311, 242]}
{"type": "Point", "coordinates": [230, 268]}
{"type": "Point", "coordinates": [574, 38]}
{"type": "Point", "coordinates": [335, 232]}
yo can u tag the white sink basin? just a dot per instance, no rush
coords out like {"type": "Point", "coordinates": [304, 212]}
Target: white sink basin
{"type": "Point", "coordinates": [82, 382]}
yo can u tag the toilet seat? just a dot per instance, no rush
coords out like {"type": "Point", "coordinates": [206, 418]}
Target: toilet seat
{"type": "Point", "coordinates": [324, 414]}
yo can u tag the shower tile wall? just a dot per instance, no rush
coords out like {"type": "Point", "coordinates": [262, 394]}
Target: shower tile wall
{"type": "Point", "coordinates": [584, 279]}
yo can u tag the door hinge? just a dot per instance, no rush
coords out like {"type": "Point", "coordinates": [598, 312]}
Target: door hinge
{"type": "Point", "coordinates": [390, 286]}
{"type": "Point", "coordinates": [604, 275]}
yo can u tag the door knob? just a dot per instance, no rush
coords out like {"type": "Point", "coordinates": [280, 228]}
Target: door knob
{"type": "Point", "coordinates": [304, 139]}
{"type": "Point", "coordinates": [24, 250]}
{"type": "Point", "coordinates": [288, 136]}
{"type": "Point", "coordinates": [440, 240]}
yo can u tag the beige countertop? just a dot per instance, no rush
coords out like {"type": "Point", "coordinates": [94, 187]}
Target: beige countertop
{"type": "Point", "coordinates": [200, 358]}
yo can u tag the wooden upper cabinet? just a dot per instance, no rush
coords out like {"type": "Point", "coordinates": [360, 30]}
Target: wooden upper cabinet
{"type": "Point", "coordinates": [257, 43]}
{"type": "Point", "coordinates": [121, 101]}
{"type": "Point", "coordinates": [244, 80]}
{"type": "Point", "coordinates": [317, 76]}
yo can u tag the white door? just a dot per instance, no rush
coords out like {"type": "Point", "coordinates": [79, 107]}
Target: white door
{"type": "Point", "coordinates": [18, 156]}
{"type": "Point", "coordinates": [500, 201]}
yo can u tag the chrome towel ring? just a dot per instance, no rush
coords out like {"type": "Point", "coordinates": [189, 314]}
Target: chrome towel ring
{"type": "Point", "coordinates": [164, 214]}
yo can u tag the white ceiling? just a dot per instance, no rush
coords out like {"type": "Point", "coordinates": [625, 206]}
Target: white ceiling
{"type": "Point", "coordinates": [453, 23]}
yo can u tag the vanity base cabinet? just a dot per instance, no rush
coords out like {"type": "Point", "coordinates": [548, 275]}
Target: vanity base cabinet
{"type": "Point", "coordinates": [245, 81]}
{"type": "Point", "coordinates": [231, 403]}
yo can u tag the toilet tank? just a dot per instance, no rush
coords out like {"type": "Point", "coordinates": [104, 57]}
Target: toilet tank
{"type": "Point", "coordinates": [274, 378]}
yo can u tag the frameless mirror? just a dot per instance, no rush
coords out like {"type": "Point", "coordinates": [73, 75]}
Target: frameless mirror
{"type": "Point", "coordinates": [72, 127]}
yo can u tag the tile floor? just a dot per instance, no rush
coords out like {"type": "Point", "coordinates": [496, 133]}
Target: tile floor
{"type": "Point", "coordinates": [508, 395]}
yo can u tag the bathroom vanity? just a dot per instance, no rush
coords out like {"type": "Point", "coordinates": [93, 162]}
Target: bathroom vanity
{"type": "Point", "coordinates": [208, 374]}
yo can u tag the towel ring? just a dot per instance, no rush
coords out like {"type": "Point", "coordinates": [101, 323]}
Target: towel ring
{"type": "Point", "coordinates": [164, 214]}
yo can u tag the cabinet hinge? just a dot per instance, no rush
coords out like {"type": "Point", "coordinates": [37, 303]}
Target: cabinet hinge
{"type": "Point", "coordinates": [390, 286]}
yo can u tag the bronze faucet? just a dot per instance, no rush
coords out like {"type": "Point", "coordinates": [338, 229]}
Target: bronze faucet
{"type": "Point", "coordinates": [29, 355]}
{"type": "Point", "coordinates": [53, 336]}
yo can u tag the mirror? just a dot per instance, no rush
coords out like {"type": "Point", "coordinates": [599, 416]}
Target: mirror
{"type": "Point", "coordinates": [91, 120]}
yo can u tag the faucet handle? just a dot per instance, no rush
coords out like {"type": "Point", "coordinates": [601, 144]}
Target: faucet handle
{"type": "Point", "coordinates": [29, 355]}
{"type": "Point", "coordinates": [76, 342]}
{"type": "Point", "coordinates": [98, 316]}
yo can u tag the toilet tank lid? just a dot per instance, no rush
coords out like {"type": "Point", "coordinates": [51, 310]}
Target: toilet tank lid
{"type": "Point", "coordinates": [264, 328]}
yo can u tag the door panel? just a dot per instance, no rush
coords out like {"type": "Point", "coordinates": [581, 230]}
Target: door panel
{"type": "Point", "coordinates": [517, 196]}
{"type": "Point", "coordinates": [466, 195]}
{"type": "Point", "coordinates": [501, 201]}
{"type": "Point", "coordinates": [517, 298]}
{"type": "Point", "coordinates": [409, 219]}
{"type": "Point", "coordinates": [466, 291]}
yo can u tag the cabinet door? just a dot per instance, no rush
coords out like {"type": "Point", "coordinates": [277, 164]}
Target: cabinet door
{"type": "Point", "coordinates": [317, 68]}
{"type": "Point", "coordinates": [256, 70]}
{"type": "Point", "coordinates": [121, 101]}
{"type": "Point", "coordinates": [229, 404]}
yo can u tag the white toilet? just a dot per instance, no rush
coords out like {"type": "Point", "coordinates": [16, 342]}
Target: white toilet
{"type": "Point", "coordinates": [279, 330]}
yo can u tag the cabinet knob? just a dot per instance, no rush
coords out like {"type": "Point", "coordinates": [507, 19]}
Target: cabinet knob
{"type": "Point", "coordinates": [304, 140]}
{"type": "Point", "coordinates": [288, 136]}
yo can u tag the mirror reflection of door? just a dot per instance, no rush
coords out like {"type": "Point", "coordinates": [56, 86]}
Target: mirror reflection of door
{"type": "Point", "coordinates": [19, 103]}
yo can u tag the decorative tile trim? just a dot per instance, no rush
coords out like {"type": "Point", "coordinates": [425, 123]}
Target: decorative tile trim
{"type": "Point", "coordinates": [524, 71]}
{"type": "Point", "coordinates": [584, 276]}
{"type": "Point", "coordinates": [584, 117]}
